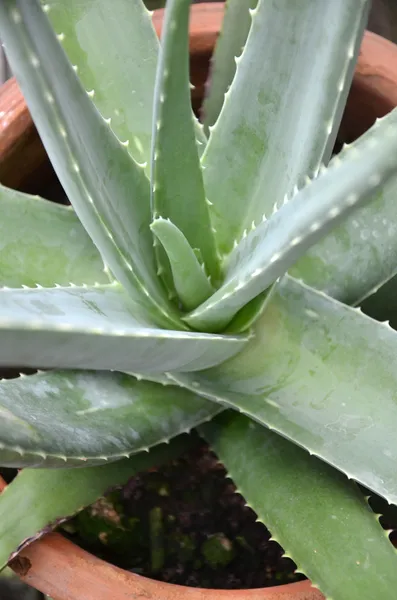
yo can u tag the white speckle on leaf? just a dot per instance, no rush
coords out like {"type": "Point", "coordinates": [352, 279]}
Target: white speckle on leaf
{"type": "Point", "coordinates": [15, 15]}
{"type": "Point", "coordinates": [334, 212]}
{"type": "Point", "coordinates": [34, 61]}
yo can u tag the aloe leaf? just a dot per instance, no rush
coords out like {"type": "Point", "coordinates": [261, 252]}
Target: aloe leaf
{"type": "Point", "coordinates": [230, 43]}
{"type": "Point", "coordinates": [107, 188]}
{"type": "Point", "coordinates": [275, 125]}
{"type": "Point", "coordinates": [177, 182]}
{"type": "Point", "coordinates": [247, 315]}
{"type": "Point", "coordinates": [99, 417]}
{"type": "Point", "coordinates": [190, 280]}
{"type": "Point", "coordinates": [358, 256]}
{"type": "Point", "coordinates": [317, 515]}
{"type": "Point", "coordinates": [270, 249]}
{"type": "Point", "coordinates": [39, 500]}
{"type": "Point", "coordinates": [122, 75]}
{"type": "Point", "coordinates": [95, 328]}
{"type": "Point", "coordinates": [44, 243]}
{"type": "Point", "coordinates": [321, 374]}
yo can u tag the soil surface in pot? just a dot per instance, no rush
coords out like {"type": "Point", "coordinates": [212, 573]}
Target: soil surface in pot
{"type": "Point", "coordinates": [184, 523]}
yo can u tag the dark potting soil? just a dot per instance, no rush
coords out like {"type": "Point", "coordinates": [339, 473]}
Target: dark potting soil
{"type": "Point", "coordinates": [184, 523]}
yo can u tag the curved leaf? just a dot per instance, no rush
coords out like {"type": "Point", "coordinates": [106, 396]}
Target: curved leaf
{"type": "Point", "coordinates": [38, 500]}
{"type": "Point", "coordinates": [270, 249]}
{"type": "Point", "coordinates": [190, 280]}
{"type": "Point", "coordinates": [123, 75]}
{"type": "Point", "coordinates": [230, 43]}
{"type": "Point", "coordinates": [359, 255]}
{"type": "Point", "coordinates": [278, 125]}
{"type": "Point", "coordinates": [321, 374]}
{"type": "Point", "coordinates": [107, 188]}
{"type": "Point", "coordinates": [177, 181]}
{"type": "Point", "coordinates": [44, 243]}
{"type": "Point", "coordinates": [95, 328]}
{"type": "Point", "coordinates": [317, 515]}
{"type": "Point", "coordinates": [99, 417]}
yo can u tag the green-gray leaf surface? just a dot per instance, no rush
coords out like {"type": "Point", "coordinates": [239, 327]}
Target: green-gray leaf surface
{"type": "Point", "coordinates": [95, 328]}
{"type": "Point", "coordinates": [107, 188]}
{"type": "Point", "coordinates": [230, 43]}
{"type": "Point", "coordinates": [267, 252]}
{"type": "Point", "coordinates": [75, 419]}
{"type": "Point", "coordinates": [357, 257]}
{"type": "Point", "coordinates": [190, 280]}
{"type": "Point", "coordinates": [122, 75]}
{"type": "Point", "coordinates": [51, 246]}
{"type": "Point", "coordinates": [323, 375]}
{"type": "Point", "coordinates": [276, 121]}
{"type": "Point", "coordinates": [38, 500]}
{"type": "Point", "coordinates": [177, 182]}
{"type": "Point", "coordinates": [318, 516]}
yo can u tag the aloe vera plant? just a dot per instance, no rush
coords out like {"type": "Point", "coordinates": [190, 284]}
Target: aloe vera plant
{"type": "Point", "coordinates": [199, 270]}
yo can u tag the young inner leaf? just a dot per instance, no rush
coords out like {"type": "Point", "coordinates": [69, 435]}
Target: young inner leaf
{"type": "Point", "coordinates": [177, 182]}
{"type": "Point", "coordinates": [190, 280]}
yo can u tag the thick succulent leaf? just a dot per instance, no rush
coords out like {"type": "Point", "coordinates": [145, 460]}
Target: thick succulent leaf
{"type": "Point", "coordinates": [323, 375]}
{"type": "Point", "coordinates": [318, 516]}
{"type": "Point", "coordinates": [95, 328]}
{"type": "Point", "coordinates": [270, 249]}
{"type": "Point", "coordinates": [122, 75]}
{"type": "Point", "coordinates": [247, 316]}
{"type": "Point", "coordinates": [275, 125]}
{"type": "Point", "coordinates": [360, 254]}
{"type": "Point", "coordinates": [38, 500]}
{"type": "Point", "coordinates": [154, 377]}
{"type": "Point", "coordinates": [99, 417]}
{"type": "Point", "coordinates": [108, 189]}
{"type": "Point", "coordinates": [230, 43]}
{"type": "Point", "coordinates": [177, 182]}
{"type": "Point", "coordinates": [190, 280]}
{"type": "Point", "coordinates": [44, 243]}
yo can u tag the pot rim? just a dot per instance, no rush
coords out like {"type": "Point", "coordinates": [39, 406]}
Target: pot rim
{"type": "Point", "coordinates": [64, 571]}
{"type": "Point", "coordinates": [55, 565]}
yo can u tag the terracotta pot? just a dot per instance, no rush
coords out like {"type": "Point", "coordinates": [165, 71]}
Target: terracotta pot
{"type": "Point", "coordinates": [52, 564]}
{"type": "Point", "coordinates": [24, 164]}
{"type": "Point", "coordinates": [65, 572]}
